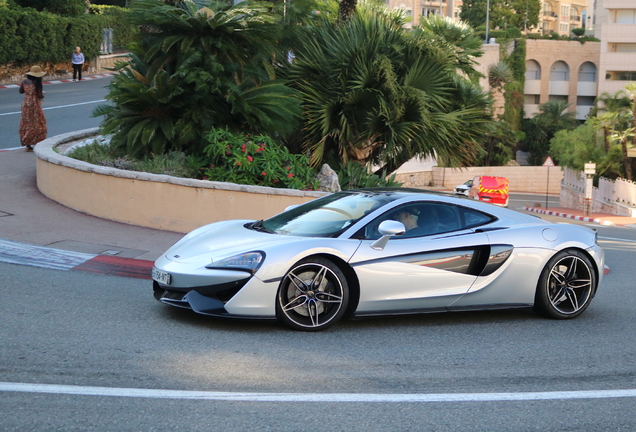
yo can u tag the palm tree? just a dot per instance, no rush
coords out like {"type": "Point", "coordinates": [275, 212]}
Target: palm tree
{"type": "Point", "coordinates": [196, 66]}
{"type": "Point", "coordinates": [607, 102]}
{"type": "Point", "coordinates": [621, 137]}
{"type": "Point", "coordinates": [605, 121]}
{"type": "Point", "coordinates": [374, 93]}
{"type": "Point", "coordinates": [552, 117]}
{"type": "Point", "coordinates": [456, 39]}
{"type": "Point", "coordinates": [631, 91]}
{"type": "Point", "coordinates": [499, 74]}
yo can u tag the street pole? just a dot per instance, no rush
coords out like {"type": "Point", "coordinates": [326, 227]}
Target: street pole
{"type": "Point", "coordinates": [547, 189]}
{"type": "Point", "coordinates": [487, 18]}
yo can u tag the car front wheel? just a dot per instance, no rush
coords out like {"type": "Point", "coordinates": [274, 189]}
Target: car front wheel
{"type": "Point", "coordinates": [313, 295]}
{"type": "Point", "coordinates": [566, 285]}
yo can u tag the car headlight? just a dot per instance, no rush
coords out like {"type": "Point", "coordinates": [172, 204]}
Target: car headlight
{"type": "Point", "coordinates": [249, 261]}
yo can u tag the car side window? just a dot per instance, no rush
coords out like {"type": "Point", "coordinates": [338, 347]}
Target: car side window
{"type": "Point", "coordinates": [474, 218]}
{"type": "Point", "coordinates": [419, 219]}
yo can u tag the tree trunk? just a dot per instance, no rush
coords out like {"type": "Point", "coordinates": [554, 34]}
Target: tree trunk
{"type": "Point", "coordinates": [346, 9]}
{"type": "Point", "coordinates": [606, 139]}
{"type": "Point", "coordinates": [626, 163]}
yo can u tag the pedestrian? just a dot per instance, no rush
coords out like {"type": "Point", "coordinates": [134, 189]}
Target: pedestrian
{"type": "Point", "coordinates": [78, 63]}
{"type": "Point", "coordinates": [32, 123]}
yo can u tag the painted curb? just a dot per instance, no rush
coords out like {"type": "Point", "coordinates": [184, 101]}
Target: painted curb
{"type": "Point", "coordinates": [571, 216]}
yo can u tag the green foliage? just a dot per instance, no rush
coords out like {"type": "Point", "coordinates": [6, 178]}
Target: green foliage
{"type": "Point", "coordinates": [58, 7]}
{"type": "Point", "coordinates": [574, 148]}
{"type": "Point", "coordinates": [31, 37]}
{"type": "Point", "coordinates": [514, 89]}
{"type": "Point", "coordinates": [257, 160]}
{"type": "Point", "coordinates": [552, 117]}
{"type": "Point", "coordinates": [499, 144]}
{"type": "Point", "coordinates": [578, 31]}
{"type": "Point", "coordinates": [513, 32]}
{"type": "Point", "coordinates": [175, 164]}
{"type": "Point", "coordinates": [511, 13]}
{"type": "Point", "coordinates": [353, 175]}
{"type": "Point", "coordinates": [374, 92]}
{"type": "Point", "coordinates": [195, 69]}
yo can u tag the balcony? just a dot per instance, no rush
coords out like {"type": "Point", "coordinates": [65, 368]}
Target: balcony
{"type": "Point", "coordinates": [561, 88]}
{"type": "Point", "coordinates": [587, 88]}
{"type": "Point", "coordinates": [532, 87]}
{"type": "Point", "coordinates": [575, 18]}
{"type": "Point", "coordinates": [530, 110]}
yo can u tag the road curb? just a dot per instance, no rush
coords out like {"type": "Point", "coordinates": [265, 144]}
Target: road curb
{"type": "Point", "coordinates": [571, 216]}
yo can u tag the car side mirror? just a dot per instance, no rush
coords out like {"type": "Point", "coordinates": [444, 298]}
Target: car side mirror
{"type": "Point", "coordinates": [387, 229]}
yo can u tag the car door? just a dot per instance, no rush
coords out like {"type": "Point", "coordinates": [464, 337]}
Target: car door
{"type": "Point", "coordinates": [426, 268]}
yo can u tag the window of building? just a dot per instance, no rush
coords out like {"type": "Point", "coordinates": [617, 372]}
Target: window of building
{"type": "Point", "coordinates": [585, 100]}
{"type": "Point", "coordinates": [564, 28]}
{"type": "Point", "coordinates": [587, 72]}
{"type": "Point", "coordinates": [428, 11]}
{"type": "Point", "coordinates": [531, 99]}
{"type": "Point", "coordinates": [565, 10]}
{"type": "Point", "coordinates": [626, 16]}
{"type": "Point", "coordinates": [623, 75]}
{"type": "Point", "coordinates": [558, 98]}
{"type": "Point", "coordinates": [623, 47]}
{"type": "Point", "coordinates": [560, 72]}
{"type": "Point", "coordinates": [533, 70]}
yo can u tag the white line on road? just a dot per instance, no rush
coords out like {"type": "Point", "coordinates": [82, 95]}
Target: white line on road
{"type": "Point", "coordinates": [617, 239]}
{"type": "Point", "coordinates": [311, 397]}
{"type": "Point", "coordinates": [57, 107]}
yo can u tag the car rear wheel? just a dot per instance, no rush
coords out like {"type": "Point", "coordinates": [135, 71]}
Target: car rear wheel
{"type": "Point", "coordinates": [313, 295]}
{"type": "Point", "coordinates": [566, 286]}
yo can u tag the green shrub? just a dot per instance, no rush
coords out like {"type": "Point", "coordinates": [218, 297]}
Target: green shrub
{"type": "Point", "coordinates": [354, 175]}
{"type": "Point", "coordinates": [513, 32]}
{"type": "Point", "coordinates": [255, 160]}
{"type": "Point", "coordinates": [29, 37]}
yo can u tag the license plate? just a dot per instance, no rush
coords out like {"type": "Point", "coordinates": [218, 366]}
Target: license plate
{"type": "Point", "coordinates": [161, 276]}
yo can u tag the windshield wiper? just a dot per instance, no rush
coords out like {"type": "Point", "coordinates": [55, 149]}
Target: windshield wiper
{"type": "Point", "coordinates": [258, 226]}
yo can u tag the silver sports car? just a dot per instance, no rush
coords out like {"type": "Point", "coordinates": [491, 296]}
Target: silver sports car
{"type": "Point", "coordinates": [381, 252]}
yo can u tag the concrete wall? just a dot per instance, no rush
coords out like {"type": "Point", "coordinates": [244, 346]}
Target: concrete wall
{"type": "Point", "coordinates": [522, 178]}
{"type": "Point", "coordinates": [150, 200]}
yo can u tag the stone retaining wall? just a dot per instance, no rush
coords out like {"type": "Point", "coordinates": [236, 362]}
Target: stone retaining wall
{"type": "Point", "coordinates": [531, 179]}
{"type": "Point", "coordinates": [151, 200]}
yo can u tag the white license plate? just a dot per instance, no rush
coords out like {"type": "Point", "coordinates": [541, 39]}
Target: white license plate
{"type": "Point", "coordinates": [161, 276]}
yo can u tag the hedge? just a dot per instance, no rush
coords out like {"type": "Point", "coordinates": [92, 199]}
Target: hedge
{"type": "Point", "coordinates": [28, 36]}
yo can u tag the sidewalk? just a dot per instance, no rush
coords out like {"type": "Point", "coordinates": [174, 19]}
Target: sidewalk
{"type": "Point", "coordinates": [44, 233]}
{"type": "Point", "coordinates": [597, 218]}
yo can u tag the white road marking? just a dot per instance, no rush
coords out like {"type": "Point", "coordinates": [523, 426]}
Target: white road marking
{"type": "Point", "coordinates": [617, 239]}
{"type": "Point", "coordinates": [310, 397]}
{"type": "Point", "coordinates": [40, 256]}
{"type": "Point", "coordinates": [57, 107]}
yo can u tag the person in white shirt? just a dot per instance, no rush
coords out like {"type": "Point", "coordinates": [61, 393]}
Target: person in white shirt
{"type": "Point", "coordinates": [78, 63]}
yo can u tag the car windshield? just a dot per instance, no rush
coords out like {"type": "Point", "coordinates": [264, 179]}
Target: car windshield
{"type": "Point", "coordinates": [327, 216]}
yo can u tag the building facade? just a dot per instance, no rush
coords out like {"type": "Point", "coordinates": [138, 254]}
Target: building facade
{"type": "Point", "coordinates": [616, 28]}
{"type": "Point", "coordinates": [562, 16]}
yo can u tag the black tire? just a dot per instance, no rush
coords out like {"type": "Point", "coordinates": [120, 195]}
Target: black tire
{"type": "Point", "coordinates": [313, 295]}
{"type": "Point", "coordinates": [566, 286]}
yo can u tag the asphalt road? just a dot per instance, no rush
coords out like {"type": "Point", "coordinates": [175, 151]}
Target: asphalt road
{"type": "Point", "coordinates": [107, 335]}
{"type": "Point", "coordinates": [67, 107]}
{"type": "Point", "coordinates": [65, 328]}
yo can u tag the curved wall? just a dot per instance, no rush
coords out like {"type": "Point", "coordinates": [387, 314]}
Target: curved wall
{"type": "Point", "coordinates": [151, 200]}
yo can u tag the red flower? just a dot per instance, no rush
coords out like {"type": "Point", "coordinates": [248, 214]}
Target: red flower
{"type": "Point", "coordinates": [243, 147]}
{"type": "Point", "coordinates": [263, 173]}
{"type": "Point", "coordinates": [238, 163]}
{"type": "Point", "coordinates": [290, 175]}
{"type": "Point", "coordinates": [205, 177]}
{"type": "Point", "coordinates": [211, 166]}
{"type": "Point", "coordinates": [250, 158]}
{"type": "Point", "coordinates": [287, 168]}
{"type": "Point", "coordinates": [275, 180]}
{"type": "Point", "coordinates": [228, 152]}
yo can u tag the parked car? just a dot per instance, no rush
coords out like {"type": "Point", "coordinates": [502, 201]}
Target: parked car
{"type": "Point", "coordinates": [493, 190]}
{"type": "Point", "coordinates": [464, 188]}
{"type": "Point", "coordinates": [378, 252]}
